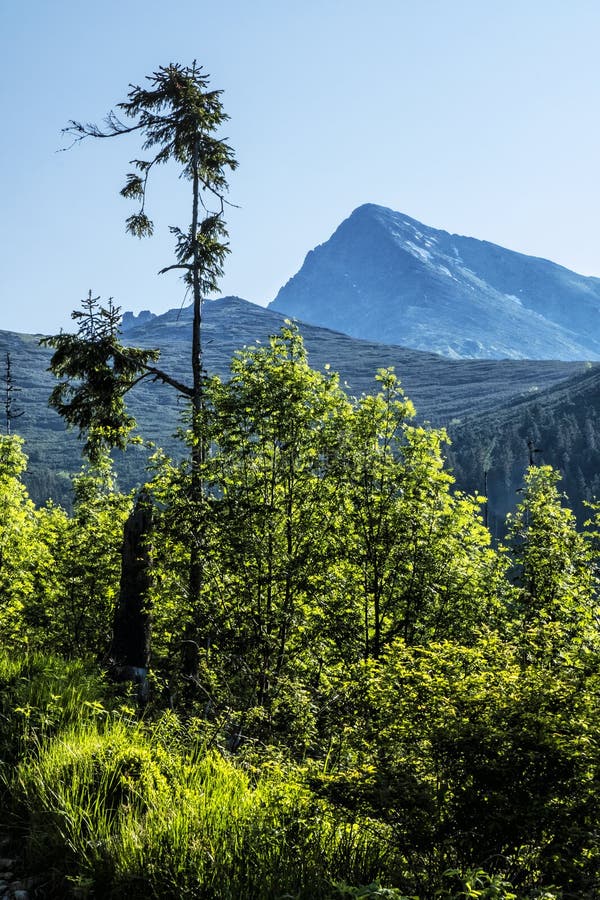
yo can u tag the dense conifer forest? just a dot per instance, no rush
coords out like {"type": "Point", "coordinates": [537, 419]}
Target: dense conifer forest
{"type": "Point", "coordinates": [294, 664]}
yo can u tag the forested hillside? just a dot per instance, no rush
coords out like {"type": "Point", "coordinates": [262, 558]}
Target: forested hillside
{"type": "Point", "coordinates": [558, 427]}
{"type": "Point", "coordinates": [442, 390]}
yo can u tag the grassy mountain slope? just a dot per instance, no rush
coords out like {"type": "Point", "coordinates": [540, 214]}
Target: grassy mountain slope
{"type": "Point", "coordinates": [443, 390]}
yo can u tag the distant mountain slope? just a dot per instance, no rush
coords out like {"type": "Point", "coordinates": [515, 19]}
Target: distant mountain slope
{"type": "Point", "coordinates": [440, 388]}
{"type": "Point", "coordinates": [563, 425]}
{"type": "Point", "coordinates": [443, 390]}
{"type": "Point", "coordinates": [386, 277]}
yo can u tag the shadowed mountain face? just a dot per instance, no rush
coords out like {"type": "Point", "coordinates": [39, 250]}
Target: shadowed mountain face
{"type": "Point", "coordinates": [385, 277]}
{"type": "Point", "coordinates": [443, 390]}
{"type": "Point", "coordinates": [559, 427]}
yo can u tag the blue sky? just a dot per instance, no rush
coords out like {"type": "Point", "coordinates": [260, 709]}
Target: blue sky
{"type": "Point", "coordinates": [476, 116]}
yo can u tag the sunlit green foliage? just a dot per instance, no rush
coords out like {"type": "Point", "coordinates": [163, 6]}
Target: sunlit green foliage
{"type": "Point", "coordinates": [275, 519]}
{"type": "Point", "coordinates": [86, 549]}
{"type": "Point", "coordinates": [59, 574]}
{"type": "Point", "coordinates": [468, 756]}
{"type": "Point", "coordinates": [25, 560]}
{"type": "Point", "coordinates": [555, 609]}
{"type": "Point", "coordinates": [426, 567]}
{"type": "Point", "coordinates": [385, 703]}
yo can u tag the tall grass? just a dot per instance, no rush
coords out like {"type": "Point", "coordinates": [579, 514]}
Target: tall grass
{"type": "Point", "coordinates": [111, 807]}
{"type": "Point", "coordinates": [119, 811]}
{"type": "Point", "coordinates": [39, 696]}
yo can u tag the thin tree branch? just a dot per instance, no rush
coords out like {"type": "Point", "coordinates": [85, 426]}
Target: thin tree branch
{"type": "Point", "coordinates": [167, 379]}
{"type": "Point", "coordinates": [187, 266]}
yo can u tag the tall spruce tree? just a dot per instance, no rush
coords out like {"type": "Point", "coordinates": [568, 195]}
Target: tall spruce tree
{"type": "Point", "coordinates": [177, 116]}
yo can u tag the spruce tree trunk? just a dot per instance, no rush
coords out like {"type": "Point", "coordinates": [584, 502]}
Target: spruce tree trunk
{"type": "Point", "coordinates": [196, 573]}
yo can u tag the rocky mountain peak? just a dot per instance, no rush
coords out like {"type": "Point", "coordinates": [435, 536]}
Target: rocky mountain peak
{"type": "Point", "coordinates": [387, 277]}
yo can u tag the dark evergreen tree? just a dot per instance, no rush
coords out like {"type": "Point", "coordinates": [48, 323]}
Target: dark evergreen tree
{"type": "Point", "coordinates": [97, 370]}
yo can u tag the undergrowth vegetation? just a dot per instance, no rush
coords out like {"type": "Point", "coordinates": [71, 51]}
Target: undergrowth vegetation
{"type": "Point", "coordinates": [453, 748]}
{"type": "Point", "coordinates": [114, 806]}
{"type": "Point", "coordinates": [384, 705]}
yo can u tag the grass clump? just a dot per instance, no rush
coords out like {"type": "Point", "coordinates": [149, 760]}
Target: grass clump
{"type": "Point", "coordinates": [121, 814]}
{"type": "Point", "coordinates": [41, 695]}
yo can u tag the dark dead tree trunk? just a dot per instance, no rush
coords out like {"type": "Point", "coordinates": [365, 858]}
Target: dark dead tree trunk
{"type": "Point", "coordinates": [10, 409]}
{"type": "Point", "coordinates": [133, 616]}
